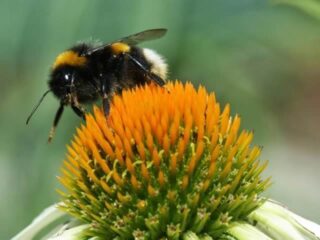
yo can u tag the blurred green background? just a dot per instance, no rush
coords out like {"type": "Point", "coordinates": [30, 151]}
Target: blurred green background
{"type": "Point", "coordinates": [261, 57]}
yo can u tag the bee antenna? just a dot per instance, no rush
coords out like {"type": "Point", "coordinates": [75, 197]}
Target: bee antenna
{"type": "Point", "coordinates": [36, 107]}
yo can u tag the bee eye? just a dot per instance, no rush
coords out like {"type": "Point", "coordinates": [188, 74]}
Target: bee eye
{"type": "Point", "coordinates": [67, 76]}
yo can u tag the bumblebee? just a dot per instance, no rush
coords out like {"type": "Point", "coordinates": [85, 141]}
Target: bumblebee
{"type": "Point", "coordinates": [85, 73]}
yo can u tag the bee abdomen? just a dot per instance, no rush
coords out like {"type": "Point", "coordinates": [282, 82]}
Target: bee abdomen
{"type": "Point", "coordinates": [158, 65]}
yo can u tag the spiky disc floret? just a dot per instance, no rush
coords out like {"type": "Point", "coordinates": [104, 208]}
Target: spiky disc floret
{"type": "Point", "coordinates": [164, 162]}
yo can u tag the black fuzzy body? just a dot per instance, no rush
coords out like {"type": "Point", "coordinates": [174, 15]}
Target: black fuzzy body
{"type": "Point", "coordinates": [103, 75]}
{"type": "Point", "coordinates": [85, 73]}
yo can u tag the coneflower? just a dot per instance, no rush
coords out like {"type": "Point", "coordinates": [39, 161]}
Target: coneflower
{"type": "Point", "coordinates": [167, 163]}
{"type": "Point", "coordinates": [164, 162]}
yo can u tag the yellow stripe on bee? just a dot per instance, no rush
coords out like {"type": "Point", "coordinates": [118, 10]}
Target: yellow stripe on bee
{"type": "Point", "coordinates": [119, 47]}
{"type": "Point", "coordinates": [70, 58]}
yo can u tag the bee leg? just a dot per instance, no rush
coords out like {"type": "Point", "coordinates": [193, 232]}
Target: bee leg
{"type": "Point", "coordinates": [158, 80]}
{"type": "Point", "coordinates": [105, 91]}
{"type": "Point", "coordinates": [79, 111]}
{"type": "Point", "coordinates": [55, 122]}
{"type": "Point", "coordinates": [106, 106]}
{"type": "Point", "coordinates": [76, 106]}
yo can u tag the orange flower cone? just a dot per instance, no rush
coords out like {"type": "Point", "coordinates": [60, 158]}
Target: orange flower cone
{"type": "Point", "coordinates": [164, 162]}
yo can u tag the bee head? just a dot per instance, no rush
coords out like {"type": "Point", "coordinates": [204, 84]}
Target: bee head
{"type": "Point", "coordinates": [61, 82]}
{"type": "Point", "coordinates": [65, 70]}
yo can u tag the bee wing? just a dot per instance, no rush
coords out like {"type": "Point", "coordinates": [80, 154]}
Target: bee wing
{"type": "Point", "coordinates": [133, 39]}
{"type": "Point", "coordinates": [143, 36]}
